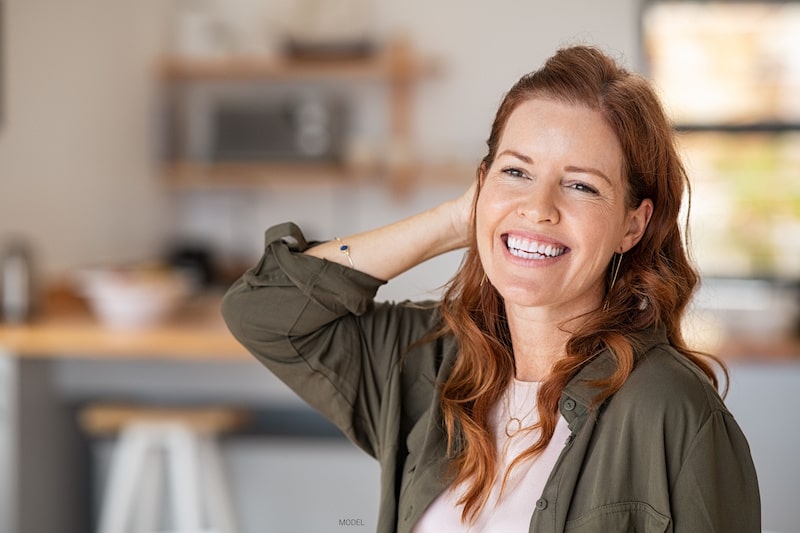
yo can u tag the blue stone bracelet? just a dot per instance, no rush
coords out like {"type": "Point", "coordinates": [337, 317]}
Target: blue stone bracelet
{"type": "Point", "coordinates": [345, 249]}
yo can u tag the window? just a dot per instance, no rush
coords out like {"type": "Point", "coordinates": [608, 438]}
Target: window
{"type": "Point", "coordinates": [729, 75]}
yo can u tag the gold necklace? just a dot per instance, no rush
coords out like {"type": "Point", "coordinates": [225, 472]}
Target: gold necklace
{"type": "Point", "coordinates": [513, 425]}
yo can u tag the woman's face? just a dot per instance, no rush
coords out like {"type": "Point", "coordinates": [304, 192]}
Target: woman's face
{"type": "Point", "coordinates": [551, 210]}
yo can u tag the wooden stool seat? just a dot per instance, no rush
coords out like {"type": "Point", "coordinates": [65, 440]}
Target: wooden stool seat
{"type": "Point", "coordinates": [106, 419]}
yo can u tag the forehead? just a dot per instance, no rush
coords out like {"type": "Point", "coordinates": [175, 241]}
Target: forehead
{"type": "Point", "coordinates": [566, 133]}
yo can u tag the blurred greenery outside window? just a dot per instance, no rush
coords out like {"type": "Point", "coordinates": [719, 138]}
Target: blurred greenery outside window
{"type": "Point", "coordinates": [729, 74]}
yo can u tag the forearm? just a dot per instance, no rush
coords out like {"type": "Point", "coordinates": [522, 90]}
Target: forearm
{"type": "Point", "coordinates": [390, 250]}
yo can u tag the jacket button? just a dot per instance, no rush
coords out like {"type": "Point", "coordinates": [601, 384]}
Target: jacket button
{"type": "Point", "coordinates": [569, 404]}
{"type": "Point", "coordinates": [541, 504]}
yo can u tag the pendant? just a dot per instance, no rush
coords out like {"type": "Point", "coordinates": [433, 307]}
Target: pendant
{"type": "Point", "coordinates": [513, 426]}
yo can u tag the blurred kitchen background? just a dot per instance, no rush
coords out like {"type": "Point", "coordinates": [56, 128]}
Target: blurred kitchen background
{"type": "Point", "coordinates": [145, 146]}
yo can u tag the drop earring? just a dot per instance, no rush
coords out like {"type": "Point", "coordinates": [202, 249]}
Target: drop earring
{"type": "Point", "coordinates": [616, 263]}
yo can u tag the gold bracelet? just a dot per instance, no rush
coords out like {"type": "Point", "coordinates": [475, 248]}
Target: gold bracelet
{"type": "Point", "coordinates": [345, 249]}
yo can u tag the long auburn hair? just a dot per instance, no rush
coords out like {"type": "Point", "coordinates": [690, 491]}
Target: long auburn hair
{"type": "Point", "coordinates": [653, 287]}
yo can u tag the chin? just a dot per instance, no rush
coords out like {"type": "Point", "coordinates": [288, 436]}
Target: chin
{"type": "Point", "coordinates": [526, 296]}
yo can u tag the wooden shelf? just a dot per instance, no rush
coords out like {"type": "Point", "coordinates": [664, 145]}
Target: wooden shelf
{"type": "Point", "coordinates": [388, 66]}
{"type": "Point", "coordinates": [244, 175]}
{"type": "Point", "coordinates": [187, 175]}
{"type": "Point", "coordinates": [397, 65]}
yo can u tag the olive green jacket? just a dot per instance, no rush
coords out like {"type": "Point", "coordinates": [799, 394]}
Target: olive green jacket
{"type": "Point", "coordinates": [662, 455]}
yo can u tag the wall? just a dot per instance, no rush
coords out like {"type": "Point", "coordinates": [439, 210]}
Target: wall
{"type": "Point", "coordinates": [76, 177]}
{"type": "Point", "coordinates": [486, 46]}
{"type": "Point", "coordinates": [760, 399]}
{"type": "Point", "coordinates": [77, 172]}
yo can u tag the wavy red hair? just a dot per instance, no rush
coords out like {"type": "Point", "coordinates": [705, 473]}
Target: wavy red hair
{"type": "Point", "coordinates": [653, 287]}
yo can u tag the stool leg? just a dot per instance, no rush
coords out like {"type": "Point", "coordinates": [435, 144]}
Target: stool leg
{"type": "Point", "coordinates": [148, 511]}
{"type": "Point", "coordinates": [182, 464]}
{"type": "Point", "coordinates": [216, 491]}
{"type": "Point", "coordinates": [127, 464]}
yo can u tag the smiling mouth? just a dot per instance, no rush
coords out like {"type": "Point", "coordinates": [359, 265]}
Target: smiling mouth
{"type": "Point", "coordinates": [528, 249]}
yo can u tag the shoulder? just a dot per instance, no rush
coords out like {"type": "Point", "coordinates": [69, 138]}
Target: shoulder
{"type": "Point", "coordinates": [413, 318]}
{"type": "Point", "coordinates": [407, 325]}
{"type": "Point", "coordinates": [664, 374]}
{"type": "Point", "coordinates": [431, 347]}
{"type": "Point", "coordinates": [414, 328]}
{"type": "Point", "coordinates": [667, 389]}
{"type": "Point", "coordinates": [424, 353]}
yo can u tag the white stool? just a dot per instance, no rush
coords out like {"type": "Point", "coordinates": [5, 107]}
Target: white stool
{"type": "Point", "coordinates": [162, 449]}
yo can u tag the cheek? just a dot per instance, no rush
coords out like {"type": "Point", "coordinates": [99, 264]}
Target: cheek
{"type": "Point", "coordinates": [494, 203]}
{"type": "Point", "coordinates": [607, 236]}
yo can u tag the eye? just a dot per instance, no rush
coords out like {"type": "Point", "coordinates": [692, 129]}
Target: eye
{"type": "Point", "coordinates": [514, 172]}
{"type": "Point", "coordinates": [582, 187]}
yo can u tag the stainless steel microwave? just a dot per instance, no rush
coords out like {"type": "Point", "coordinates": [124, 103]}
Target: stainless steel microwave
{"type": "Point", "coordinates": [271, 127]}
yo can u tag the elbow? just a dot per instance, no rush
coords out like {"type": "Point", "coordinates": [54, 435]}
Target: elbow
{"type": "Point", "coordinates": [256, 319]}
{"type": "Point", "coordinates": [231, 309]}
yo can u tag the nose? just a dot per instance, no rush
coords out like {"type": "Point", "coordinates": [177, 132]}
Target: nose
{"type": "Point", "coordinates": [540, 205]}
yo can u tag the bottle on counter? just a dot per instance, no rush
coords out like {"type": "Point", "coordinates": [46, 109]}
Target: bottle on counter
{"type": "Point", "coordinates": [16, 283]}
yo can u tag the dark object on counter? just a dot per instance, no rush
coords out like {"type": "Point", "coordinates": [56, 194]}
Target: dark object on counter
{"type": "Point", "coordinates": [16, 283]}
{"type": "Point", "coordinates": [196, 261]}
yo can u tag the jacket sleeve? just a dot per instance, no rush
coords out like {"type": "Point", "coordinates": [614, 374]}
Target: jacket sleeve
{"type": "Point", "coordinates": [717, 488]}
{"type": "Point", "coordinates": [315, 325]}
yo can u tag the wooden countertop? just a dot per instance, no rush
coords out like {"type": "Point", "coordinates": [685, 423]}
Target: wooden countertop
{"type": "Point", "coordinates": [65, 327]}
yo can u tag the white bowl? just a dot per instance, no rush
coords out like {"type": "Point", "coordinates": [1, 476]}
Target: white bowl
{"type": "Point", "coordinates": [131, 299]}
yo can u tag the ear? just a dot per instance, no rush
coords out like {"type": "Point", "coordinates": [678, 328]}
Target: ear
{"type": "Point", "coordinates": [482, 171]}
{"type": "Point", "coordinates": [636, 223]}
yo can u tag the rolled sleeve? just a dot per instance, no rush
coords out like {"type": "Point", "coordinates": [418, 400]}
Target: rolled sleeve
{"type": "Point", "coordinates": [327, 290]}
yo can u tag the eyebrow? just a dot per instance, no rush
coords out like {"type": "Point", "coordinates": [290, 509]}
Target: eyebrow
{"type": "Point", "coordinates": [522, 157]}
{"type": "Point", "coordinates": [588, 170]}
{"type": "Point", "coordinates": [570, 168]}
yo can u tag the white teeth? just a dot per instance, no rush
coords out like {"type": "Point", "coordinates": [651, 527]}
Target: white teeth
{"type": "Point", "coordinates": [528, 249]}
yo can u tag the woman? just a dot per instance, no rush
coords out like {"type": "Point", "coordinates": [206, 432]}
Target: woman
{"type": "Point", "coordinates": [551, 388]}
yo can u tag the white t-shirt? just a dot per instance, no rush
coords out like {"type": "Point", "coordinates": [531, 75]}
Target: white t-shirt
{"type": "Point", "coordinates": [513, 511]}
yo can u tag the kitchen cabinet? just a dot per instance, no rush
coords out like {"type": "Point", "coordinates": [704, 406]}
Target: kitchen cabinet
{"type": "Point", "coordinates": [396, 66]}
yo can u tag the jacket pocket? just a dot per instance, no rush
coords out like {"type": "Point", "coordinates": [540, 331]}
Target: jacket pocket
{"type": "Point", "coordinates": [625, 517]}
